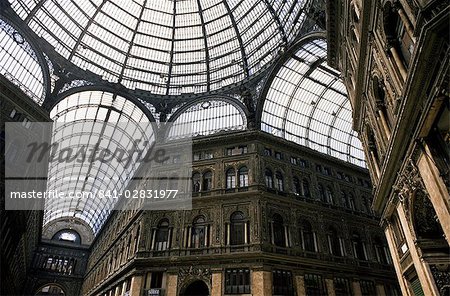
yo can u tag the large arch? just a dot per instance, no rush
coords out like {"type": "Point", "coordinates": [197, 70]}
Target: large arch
{"type": "Point", "coordinates": [305, 101]}
{"type": "Point", "coordinates": [95, 120]}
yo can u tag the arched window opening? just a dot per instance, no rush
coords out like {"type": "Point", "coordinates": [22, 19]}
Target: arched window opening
{"type": "Point", "coordinates": [278, 231]}
{"type": "Point", "coordinates": [351, 202]}
{"type": "Point", "coordinates": [345, 200]}
{"type": "Point", "coordinates": [398, 33]}
{"type": "Point", "coordinates": [238, 229]}
{"type": "Point", "coordinates": [162, 236]}
{"type": "Point", "coordinates": [280, 181]}
{"type": "Point", "coordinates": [268, 177]}
{"type": "Point", "coordinates": [329, 194]}
{"type": "Point", "coordinates": [381, 103]}
{"type": "Point", "coordinates": [425, 221]}
{"type": "Point", "coordinates": [243, 177]}
{"type": "Point", "coordinates": [307, 236]}
{"type": "Point", "coordinates": [334, 242]}
{"type": "Point", "coordinates": [381, 251]}
{"type": "Point", "coordinates": [51, 289]}
{"type": "Point", "coordinates": [67, 235]}
{"type": "Point", "coordinates": [196, 182]}
{"type": "Point", "coordinates": [231, 179]}
{"type": "Point", "coordinates": [199, 237]}
{"type": "Point", "coordinates": [305, 188]}
{"type": "Point", "coordinates": [321, 190]}
{"type": "Point", "coordinates": [207, 181]}
{"type": "Point", "coordinates": [359, 249]}
{"type": "Point", "coordinates": [297, 186]}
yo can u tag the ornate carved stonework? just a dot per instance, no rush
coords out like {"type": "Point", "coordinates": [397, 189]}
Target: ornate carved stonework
{"type": "Point", "coordinates": [187, 275]}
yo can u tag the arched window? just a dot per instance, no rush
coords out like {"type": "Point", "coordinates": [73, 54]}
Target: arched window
{"type": "Point", "coordinates": [196, 182]}
{"type": "Point", "coordinates": [238, 230]}
{"type": "Point", "coordinates": [243, 177]}
{"type": "Point", "coordinates": [426, 227]}
{"type": "Point", "coordinates": [345, 202]}
{"type": "Point", "coordinates": [351, 201]}
{"type": "Point", "coordinates": [398, 34]}
{"type": "Point", "coordinates": [162, 236]}
{"type": "Point", "coordinates": [329, 194]}
{"type": "Point", "coordinates": [305, 187]}
{"type": "Point", "coordinates": [359, 249]}
{"type": "Point", "coordinates": [381, 251]}
{"type": "Point", "coordinates": [268, 178]}
{"type": "Point", "coordinates": [322, 193]}
{"type": "Point", "coordinates": [231, 179]}
{"type": "Point", "coordinates": [307, 236]}
{"type": "Point", "coordinates": [207, 181]}
{"type": "Point", "coordinates": [280, 181]}
{"type": "Point", "coordinates": [278, 232]}
{"type": "Point", "coordinates": [199, 238]}
{"type": "Point", "coordinates": [51, 289]}
{"type": "Point", "coordinates": [67, 235]}
{"type": "Point", "coordinates": [334, 242]}
{"type": "Point", "coordinates": [296, 186]}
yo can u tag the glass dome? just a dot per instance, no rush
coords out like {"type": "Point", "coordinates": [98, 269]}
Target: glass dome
{"type": "Point", "coordinates": [167, 47]}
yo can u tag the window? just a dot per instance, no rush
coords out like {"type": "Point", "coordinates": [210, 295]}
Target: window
{"type": "Point", "coordinates": [156, 280]}
{"type": "Point", "coordinates": [282, 283]}
{"type": "Point", "coordinates": [203, 155]}
{"type": "Point", "coordinates": [381, 251]}
{"type": "Point", "coordinates": [351, 201]}
{"type": "Point", "coordinates": [307, 236]}
{"type": "Point", "coordinates": [340, 175]}
{"type": "Point", "coordinates": [367, 288]}
{"type": "Point", "coordinates": [231, 179]}
{"type": "Point", "coordinates": [269, 178]}
{"type": "Point", "coordinates": [329, 194]}
{"type": "Point", "coordinates": [280, 181]}
{"type": "Point", "coordinates": [342, 287]}
{"type": "Point", "coordinates": [278, 235]}
{"type": "Point", "coordinates": [305, 186]}
{"type": "Point", "coordinates": [293, 160]}
{"type": "Point", "coordinates": [162, 236]}
{"type": "Point", "coordinates": [318, 168]}
{"type": "Point", "coordinates": [207, 181]}
{"type": "Point", "coordinates": [296, 186]}
{"type": "Point", "coordinates": [199, 239]}
{"type": "Point", "coordinates": [243, 177]}
{"type": "Point", "coordinates": [196, 182]}
{"type": "Point", "coordinates": [237, 281]}
{"type": "Point", "coordinates": [278, 155]}
{"type": "Point", "coordinates": [267, 152]}
{"type": "Point", "coordinates": [243, 149]}
{"type": "Point", "coordinates": [315, 285]}
{"type": "Point", "coordinates": [334, 242]}
{"type": "Point", "coordinates": [303, 163]}
{"type": "Point", "coordinates": [399, 237]}
{"type": "Point", "coordinates": [237, 229]}
{"type": "Point", "coordinates": [344, 198]}
{"type": "Point", "coordinates": [237, 150]}
{"type": "Point", "coordinates": [359, 249]}
{"type": "Point", "coordinates": [322, 193]}
{"type": "Point", "coordinates": [67, 235]}
{"type": "Point", "coordinates": [327, 171]}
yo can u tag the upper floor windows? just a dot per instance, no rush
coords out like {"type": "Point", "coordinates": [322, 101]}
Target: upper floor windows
{"type": "Point", "coordinates": [68, 235]}
{"type": "Point", "coordinates": [237, 150]}
{"type": "Point", "coordinates": [267, 152]}
{"type": "Point", "coordinates": [335, 243]}
{"type": "Point", "coordinates": [199, 235]}
{"type": "Point", "coordinates": [238, 229]}
{"type": "Point", "coordinates": [161, 241]}
{"type": "Point", "coordinates": [359, 248]}
{"type": "Point", "coordinates": [280, 181]}
{"type": "Point", "coordinates": [196, 182]}
{"type": "Point", "coordinates": [268, 177]}
{"type": "Point", "coordinates": [202, 182]}
{"type": "Point", "coordinates": [294, 160]}
{"type": "Point", "coordinates": [243, 177]}
{"type": "Point", "coordinates": [230, 179]}
{"type": "Point", "coordinates": [203, 155]}
{"type": "Point", "coordinates": [207, 181]}
{"type": "Point", "coordinates": [278, 231]}
{"type": "Point", "coordinates": [278, 155]}
{"type": "Point", "coordinates": [307, 236]}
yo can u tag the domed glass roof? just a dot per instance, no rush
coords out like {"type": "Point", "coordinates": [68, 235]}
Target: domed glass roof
{"type": "Point", "coordinates": [168, 47]}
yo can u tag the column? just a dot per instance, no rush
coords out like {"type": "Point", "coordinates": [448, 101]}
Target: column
{"type": "Point", "coordinates": [261, 283]}
{"type": "Point", "coordinates": [375, 164]}
{"type": "Point", "coordinates": [286, 236]}
{"type": "Point", "coordinates": [171, 284]}
{"type": "Point", "coordinates": [245, 233]}
{"type": "Point", "coordinates": [227, 242]}
{"type": "Point", "coordinates": [124, 288]}
{"type": "Point", "coordinates": [406, 23]}
{"type": "Point", "coordinates": [439, 196]}
{"type": "Point", "coordinates": [117, 291]}
{"type": "Point", "coordinates": [207, 236]}
{"type": "Point", "coordinates": [380, 290]}
{"type": "Point", "coordinates": [153, 239]}
{"type": "Point", "coordinates": [396, 259]}
{"type": "Point", "coordinates": [398, 61]}
{"type": "Point", "coordinates": [423, 271]}
{"type": "Point", "coordinates": [189, 236]}
{"type": "Point", "coordinates": [299, 281]}
{"type": "Point", "coordinates": [330, 287]}
{"type": "Point", "coordinates": [272, 237]}
{"type": "Point", "coordinates": [356, 288]}
{"type": "Point", "coordinates": [136, 285]}
{"type": "Point", "coordinates": [216, 282]}
{"type": "Point", "coordinates": [384, 123]}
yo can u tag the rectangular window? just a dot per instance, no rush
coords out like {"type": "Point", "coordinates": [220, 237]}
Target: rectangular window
{"type": "Point", "coordinates": [340, 175]}
{"type": "Point", "coordinates": [237, 150]}
{"type": "Point", "coordinates": [367, 288]}
{"type": "Point", "coordinates": [303, 163]}
{"type": "Point", "coordinates": [293, 160]}
{"type": "Point", "coordinates": [237, 281]}
{"type": "Point", "coordinates": [318, 168]}
{"type": "Point", "coordinates": [278, 155]}
{"type": "Point", "coordinates": [315, 285]}
{"type": "Point", "coordinates": [342, 287]}
{"type": "Point", "coordinates": [243, 149]}
{"type": "Point", "coordinates": [156, 280]}
{"type": "Point", "coordinates": [282, 283]}
{"type": "Point", "coordinates": [267, 152]}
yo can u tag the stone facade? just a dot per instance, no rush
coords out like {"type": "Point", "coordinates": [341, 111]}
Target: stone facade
{"type": "Point", "coordinates": [394, 56]}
